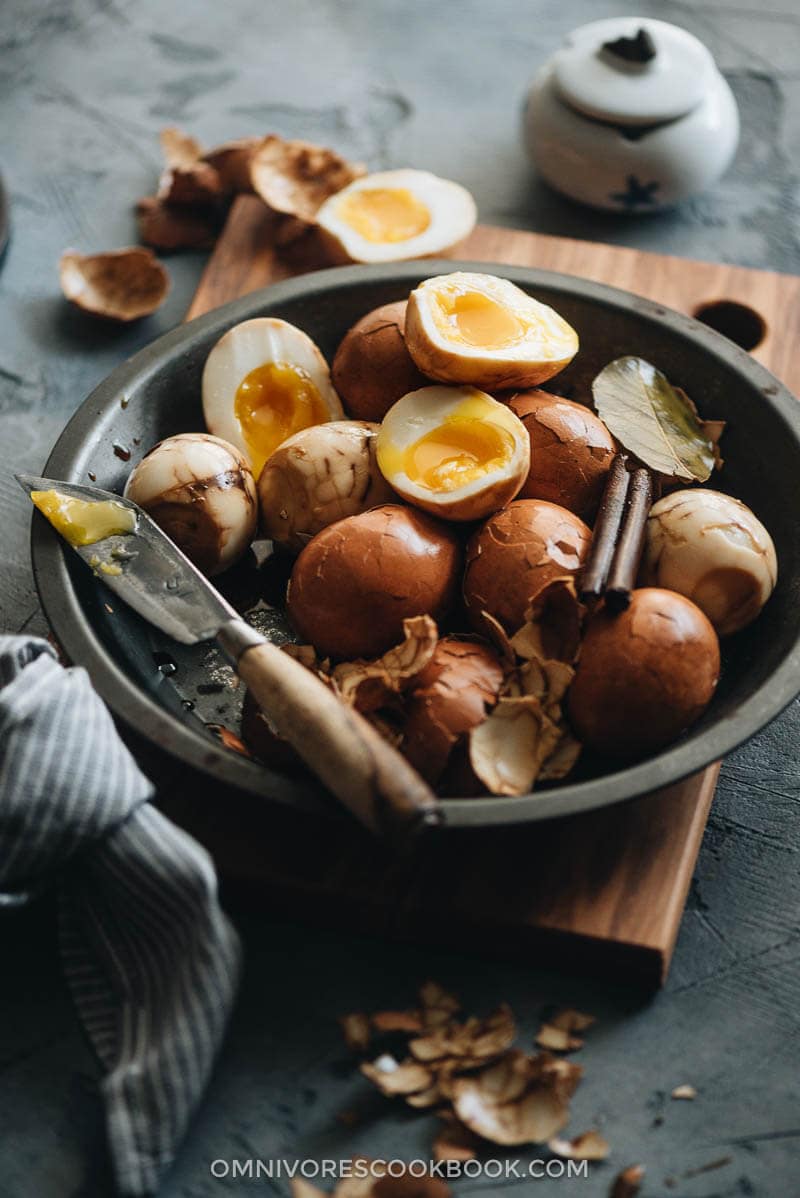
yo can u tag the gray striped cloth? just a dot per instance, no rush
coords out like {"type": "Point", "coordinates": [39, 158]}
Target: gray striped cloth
{"type": "Point", "coordinates": [150, 959]}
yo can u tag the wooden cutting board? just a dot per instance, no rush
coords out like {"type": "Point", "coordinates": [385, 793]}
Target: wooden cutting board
{"type": "Point", "coordinates": [606, 889]}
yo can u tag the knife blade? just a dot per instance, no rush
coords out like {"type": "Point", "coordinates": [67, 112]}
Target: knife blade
{"type": "Point", "coordinates": [148, 571]}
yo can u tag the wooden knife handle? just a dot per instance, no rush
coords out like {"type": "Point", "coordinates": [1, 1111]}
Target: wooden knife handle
{"type": "Point", "coordinates": [370, 777]}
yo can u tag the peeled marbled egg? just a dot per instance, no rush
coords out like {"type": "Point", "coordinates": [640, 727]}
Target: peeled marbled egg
{"type": "Point", "coordinates": [474, 328]}
{"type": "Point", "coordinates": [394, 215]}
{"type": "Point", "coordinates": [318, 476]}
{"type": "Point", "coordinates": [713, 549]}
{"type": "Point", "coordinates": [200, 490]}
{"type": "Point", "coordinates": [263, 381]}
{"type": "Point", "coordinates": [453, 451]}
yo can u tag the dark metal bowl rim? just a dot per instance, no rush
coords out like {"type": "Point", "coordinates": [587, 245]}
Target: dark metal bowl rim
{"type": "Point", "coordinates": [73, 630]}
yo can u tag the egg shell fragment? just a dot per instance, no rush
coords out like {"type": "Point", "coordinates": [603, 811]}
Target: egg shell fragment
{"type": "Point", "coordinates": [449, 325]}
{"type": "Point", "coordinates": [644, 676]}
{"type": "Point", "coordinates": [355, 582]}
{"type": "Point", "coordinates": [320, 475]}
{"type": "Point", "coordinates": [449, 698]}
{"type": "Point", "coordinates": [429, 411]}
{"type": "Point", "coordinates": [451, 216]}
{"type": "Point", "coordinates": [246, 347]}
{"type": "Point", "coordinates": [711, 548]}
{"type": "Point", "coordinates": [571, 451]}
{"type": "Point", "coordinates": [200, 490]}
{"type": "Point", "coordinates": [372, 368]}
{"type": "Point", "coordinates": [515, 554]}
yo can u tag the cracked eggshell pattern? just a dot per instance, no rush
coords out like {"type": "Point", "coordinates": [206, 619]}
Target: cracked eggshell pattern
{"type": "Point", "coordinates": [244, 348]}
{"type": "Point", "coordinates": [571, 451]}
{"type": "Point", "coordinates": [357, 581]}
{"type": "Point", "coordinates": [644, 676]}
{"type": "Point", "coordinates": [546, 346]}
{"type": "Point", "coordinates": [516, 553]}
{"type": "Point", "coordinates": [450, 207]}
{"type": "Point", "coordinates": [200, 490]}
{"type": "Point", "coordinates": [372, 368]}
{"type": "Point", "coordinates": [320, 475]}
{"type": "Point", "coordinates": [711, 548]}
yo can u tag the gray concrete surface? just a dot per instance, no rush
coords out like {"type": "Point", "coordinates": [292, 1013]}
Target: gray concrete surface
{"type": "Point", "coordinates": [84, 87]}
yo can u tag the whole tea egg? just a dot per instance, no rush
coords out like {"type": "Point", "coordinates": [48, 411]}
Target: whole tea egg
{"type": "Point", "coordinates": [372, 368]}
{"type": "Point", "coordinates": [479, 329]}
{"type": "Point", "coordinates": [319, 476]}
{"type": "Point", "coordinates": [355, 582]}
{"type": "Point", "coordinates": [201, 491]}
{"type": "Point", "coordinates": [644, 676]}
{"type": "Point", "coordinates": [263, 381]}
{"type": "Point", "coordinates": [394, 215]}
{"type": "Point", "coordinates": [453, 451]}
{"type": "Point", "coordinates": [516, 553]}
{"type": "Point", "coordinates": [713, 549]}
{"type": "Point", "coordinates": [571, 451]}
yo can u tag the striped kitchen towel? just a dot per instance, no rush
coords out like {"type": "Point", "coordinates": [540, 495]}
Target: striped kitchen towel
{"type": "Point", "coordinates": [150, 959]}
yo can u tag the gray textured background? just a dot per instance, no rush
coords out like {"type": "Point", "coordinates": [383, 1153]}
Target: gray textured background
{"type": "Point", "coordinates": [84, 87]}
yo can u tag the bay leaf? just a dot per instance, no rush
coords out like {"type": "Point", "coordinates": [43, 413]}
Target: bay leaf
{"type": "Point", "coordinates": [653, 420]}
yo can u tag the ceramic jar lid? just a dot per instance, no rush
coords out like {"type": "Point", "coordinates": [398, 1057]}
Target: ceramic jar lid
{"type": "Point", "coordinates": [632, 71]}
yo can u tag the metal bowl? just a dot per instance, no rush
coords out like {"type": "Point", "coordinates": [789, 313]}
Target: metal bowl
{"type": "Point", "coordinates": [157, 393]}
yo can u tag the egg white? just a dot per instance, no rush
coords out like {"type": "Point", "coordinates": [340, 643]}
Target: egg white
{"type": "Point", "coordinates": [244, 348]}
{"type": "Point", "coordinates": [546, 345]}
{"type": "Point", "coordinates": [450, 206]}
{"type": "Point", "coordinates": [421, 412]}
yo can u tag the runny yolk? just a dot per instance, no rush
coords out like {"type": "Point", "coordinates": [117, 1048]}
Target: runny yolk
{"type": "Point", "coordinates": [384, 214]}
{"type": "Point", "coordinates": [476, 319]}
{"type": "Point", "coordinates": [273, 402]}
{"type": "Point", "coordinates": [456, 453]}
{"type": "Point", "coordinates": [84, 521]}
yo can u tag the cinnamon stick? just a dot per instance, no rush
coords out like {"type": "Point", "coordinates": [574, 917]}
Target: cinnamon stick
{"type": "Point", "coordinates": [606, 530]}
{"type": "Point", "coordinates": [630, 546]}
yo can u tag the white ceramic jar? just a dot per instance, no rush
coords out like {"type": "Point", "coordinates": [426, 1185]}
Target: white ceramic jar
{"type": "Point", "coordinates": [631, 115]}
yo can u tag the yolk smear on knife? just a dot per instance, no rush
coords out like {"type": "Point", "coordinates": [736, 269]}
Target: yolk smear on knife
{"type": "Point", "coordinates": [464, 447]}
{"type": "Point", "coordinates": [472, 318]}
{"type": "Point", "coordinates": [84, 521]}
{"type": "Point", "coordinates": [273, 402]}
{"type": "Point", "coordinates": [384, 214]}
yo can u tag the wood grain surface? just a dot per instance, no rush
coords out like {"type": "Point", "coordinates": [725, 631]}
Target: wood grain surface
{"type": "Point", "coordinates": [604, 889]}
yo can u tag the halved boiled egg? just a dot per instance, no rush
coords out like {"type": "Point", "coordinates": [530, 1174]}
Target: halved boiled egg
{"type": "Point", "coordinates": [476, 328]}
{"type": "Point", "coordinates": [393, 215]}
{"type": "Point", "coordinates": [453, 451]}
{"type": "Point", "coordinates": [263, 381]}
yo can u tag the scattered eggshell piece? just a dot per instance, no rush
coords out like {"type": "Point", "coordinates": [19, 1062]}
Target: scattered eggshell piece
{"type": "Point", "coordinates": [120, 285]}
{"type": "Point", "coordinates": [557, 1039]}
{"type": "Point", "coordinates": [686, 1092]}
{"type": "Point", "coordinates": [588, 1146]}
{"type": "Point", "coordinates": [628, 1182]}
{"type": "Point", "coordinates": [356, 1031]}
{"type": "Point", "coordinates": [448, 698]}
{"type": "Point", "coordinates": [178, 148]}
{"type": "Point", "coordinates": [168, 228]}
{"type": "Point", "coordinates": [397, 1021]}
{"type": "Point", "coordinates": [368, 685]}
{"type": "Point", "coordinates": [395, 1077]}
{"type": "Point", "coordinates": [518, 1099]}
{"type": "Point", "coordinates": [232, 160]}
{"type": "Point", "coordinates": [455, 1142]}
{"type": "Point", "coordinates": [295, 177]}
{"type": "Point", "coordinates": [509, 748]}
{"type": "Point", "coordinates": [572, 1020]}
